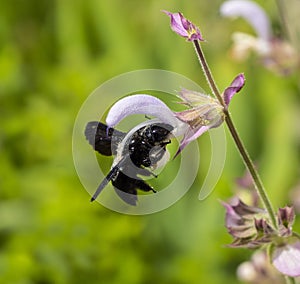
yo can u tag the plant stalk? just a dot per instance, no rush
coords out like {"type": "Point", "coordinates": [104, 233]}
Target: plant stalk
{"type": "Point", "coordinates": [290, 280]}
{"type": "Point", "coordinates": [239, 144]}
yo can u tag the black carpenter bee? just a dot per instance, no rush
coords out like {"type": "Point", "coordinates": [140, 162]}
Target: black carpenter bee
{"type": "Point", "coordinates": [133, 155]}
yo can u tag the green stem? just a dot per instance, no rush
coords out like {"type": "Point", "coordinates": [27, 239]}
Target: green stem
{"type": "Point", "coordinates": [251, 168]}
{"type": "Point", "coordinates": [207, 73]}
{"type": "Point", "coordinates": [290, 280]}
{"type": "Point", "coordinates": [243, 152]}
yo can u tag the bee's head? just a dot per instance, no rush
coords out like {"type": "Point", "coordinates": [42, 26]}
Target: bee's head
{"type": "Point", "coordinates": [159, 132]}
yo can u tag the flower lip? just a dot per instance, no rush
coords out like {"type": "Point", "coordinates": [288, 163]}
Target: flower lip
{"type": "Point", "coordinates": [184, 27]}
{"type": "Point", "coordinates": [287, 259]}
{"type": "Point", "coordinates": [140, 104]}
{"type": "Point", "coordinates": [147, 105]}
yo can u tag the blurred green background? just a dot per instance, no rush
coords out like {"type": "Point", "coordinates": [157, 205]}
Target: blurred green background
{"type": "Point", "coordinates": [52, 55]}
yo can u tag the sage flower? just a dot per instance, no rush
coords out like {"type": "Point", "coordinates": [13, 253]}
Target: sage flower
{"type": "Point", "coordinates": [286, 258]}
{"type": "Point", "coordinates": [184, 27]}
{"type": "Point", "coordinates": [275, 54]}
{"type": "Point", "coordinates": [147, 105]}
{"type": "Point", "coordinates": [251, 228]}
{"type": "Point", "coordinates": [247, 224]}
{"type": "Point", "coordinates": [204, 112]}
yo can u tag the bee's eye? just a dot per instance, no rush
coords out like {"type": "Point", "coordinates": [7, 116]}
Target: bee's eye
{"type": "Point", "coordinates": [159, 134]}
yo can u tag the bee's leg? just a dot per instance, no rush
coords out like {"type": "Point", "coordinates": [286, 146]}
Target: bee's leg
{"type": "Point", "coordinates": [146, 172]}
{"type": "Point", "coordinates": [142, 185]}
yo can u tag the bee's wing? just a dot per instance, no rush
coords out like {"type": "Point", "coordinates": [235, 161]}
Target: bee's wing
{"type": "Point", "coordinates": [129, 197]}
{"type": "Point", "coordinates": [126, 187]}
{"type": "Point", "coordinates": [103, 139]}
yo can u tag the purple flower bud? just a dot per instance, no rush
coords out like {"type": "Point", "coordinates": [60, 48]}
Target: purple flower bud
{"type": "Point", "coordinates": [286, 218]}
{"type": "Point", "coordinates": [263, 228]}
{"type": "Point", "coordinates": [183, 27]}
{"type": "Point", "coordinates": [236, 85]}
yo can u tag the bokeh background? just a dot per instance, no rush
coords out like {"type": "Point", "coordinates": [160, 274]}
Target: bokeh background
{"type": "Point", "coordinates": [53, 54]}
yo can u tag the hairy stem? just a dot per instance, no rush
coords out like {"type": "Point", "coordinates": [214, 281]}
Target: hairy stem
{"type": "Point", "coordinates": [251, 168]}
{"type": "Point", "coordinates": [241, 148]}
{"type": "Point", "coordinates": [207, 73]}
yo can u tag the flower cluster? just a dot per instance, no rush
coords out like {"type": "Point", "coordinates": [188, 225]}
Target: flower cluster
{"type": "Point", "coordinates": [251, 228]}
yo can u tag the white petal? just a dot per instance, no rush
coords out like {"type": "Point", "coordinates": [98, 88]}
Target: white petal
{"type": "Point", "coordinates": [251, 12]}
{"type": "Point", "coordinates": [140, 104]}
{"type": "Point", "coordinates": [243, 43]}
{"type": "Point", "coordinates": [287, 259]}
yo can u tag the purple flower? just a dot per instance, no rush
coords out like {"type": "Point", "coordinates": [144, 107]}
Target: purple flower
{"type": "Point", "coordinates": [247, 224]}
{"type": "Point", "coordinates": [203, 113]}
{"type": "Point", "coordinates": [250, 225]}
{"type": "Point", "coordinates": [252, 13]}
{"type": "Point", "coordinates": [148, 105]}
{"type": "Point", "coordinates": [140, 104]}
{"type": "Point", "coordinates": [183, 27]}
{"type": "Point", "coordinates": [236, 85]}
{"type": "Point", "coordinates": [275, 54]}
{"type": "Point", "coordinates": [285, 252]}
{"type": "Point", "coordinates": [286, 218]}
{"type": "Point", "coordinates": [251, 228]}
{"type": "Point", "coordinates": [286, 259]}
